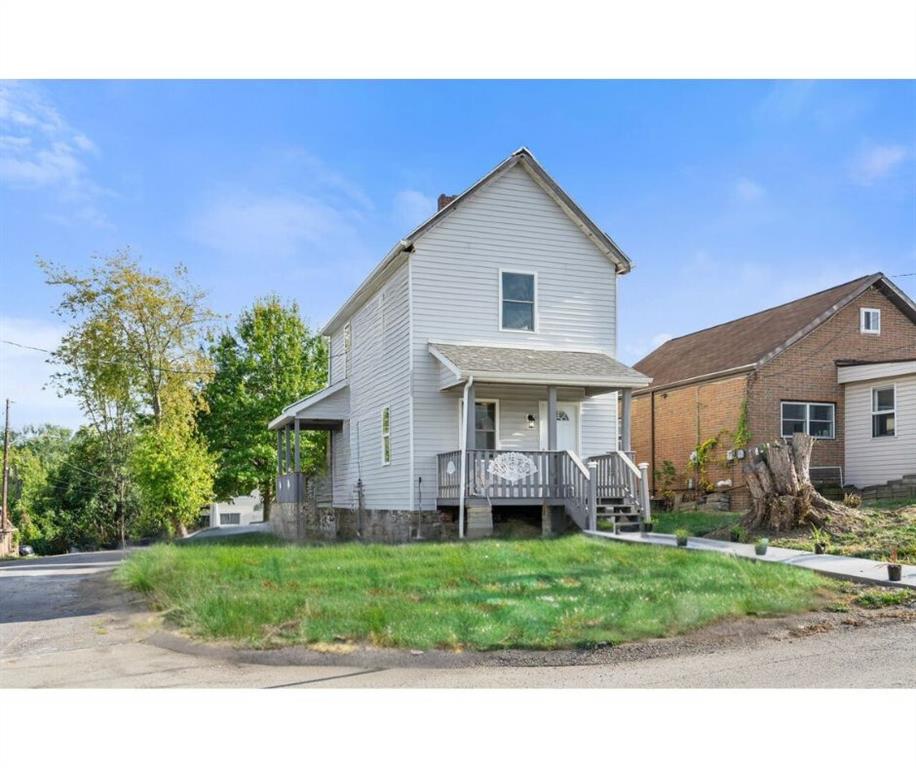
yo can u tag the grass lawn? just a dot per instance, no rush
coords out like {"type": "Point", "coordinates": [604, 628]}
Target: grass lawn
{"type": "Point", "coordinates": [886, 525]}
{"type": "Point", "coordinates": [698, 523]}
{"type": "Point", "coordinates": [559, 593]}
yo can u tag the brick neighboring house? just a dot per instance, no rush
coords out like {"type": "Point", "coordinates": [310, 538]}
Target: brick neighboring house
{"type": "Point", "coordinates": [840, 364]}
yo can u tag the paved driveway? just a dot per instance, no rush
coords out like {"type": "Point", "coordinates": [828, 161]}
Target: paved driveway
{"type": "Point", "coordinates": [64, 624]}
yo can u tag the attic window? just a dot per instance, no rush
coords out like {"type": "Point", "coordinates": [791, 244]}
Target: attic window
{"type": "Point", "coordinates": [517, 301]}
{"type": "Point", "coordinates": [870, 320]}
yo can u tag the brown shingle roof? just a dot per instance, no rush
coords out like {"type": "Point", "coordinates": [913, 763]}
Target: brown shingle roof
{"type": "Point", "coordinates": [744, 341]}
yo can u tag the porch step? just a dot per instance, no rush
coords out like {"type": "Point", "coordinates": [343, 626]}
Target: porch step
{"type": "Point", "coordinates": [623, 517]}
{"type": "Point", "coordinates": [479, 520]}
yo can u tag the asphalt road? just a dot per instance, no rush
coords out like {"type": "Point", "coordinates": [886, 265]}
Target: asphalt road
{"type": "Point", "coordinates": [64, 624]}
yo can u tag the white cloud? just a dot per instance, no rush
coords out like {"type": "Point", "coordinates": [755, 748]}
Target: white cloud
{"type": "Point", "coordinates": [245, 224]}
{"type": "Point", "coordinates": [39, 150]}
{"type": "Point", "coordinates": [25, 374]}
{"type": "Point", "coordinates": [748, 189]}
{"type": "Point", "coordinates": [786, 100]}
{"type": "Point", "coordinates": [413, 208]}
{"type": "Point", "coordinates": [876, 162]}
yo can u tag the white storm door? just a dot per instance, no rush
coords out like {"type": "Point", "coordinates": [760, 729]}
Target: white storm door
{"type": "Point", "coordinates": [567, 426]}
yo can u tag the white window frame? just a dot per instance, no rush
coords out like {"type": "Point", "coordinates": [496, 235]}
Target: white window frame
{"type": "Point", "coordinates": [863, 313]}
{"type": "Point", "coordinates": [386, 434]}
{"type": "Point", "coordinates": [808, 404]}
{"type": "Point", "coordinates": [493, 400]}
{"type": "Point", "coordinates": [534, 307]}
{"type": "Point", "coordinates": [881, 413]}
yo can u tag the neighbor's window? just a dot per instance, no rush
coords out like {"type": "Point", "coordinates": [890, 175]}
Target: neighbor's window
{"type": "Point", "coordinates": [517, 308]}
{"type": "Point", "coordinates": [386, 435]}
{"type": "Point", "coordinates": [870, 320]}
{"type": "Point", "coordinates": [883, 412]}
{"type": "Point", "coordinates": [815, 419]}
{"type": "Point", "coordinates": [485, 425]}
{"type": "Point", "coordinates": [348, 340]}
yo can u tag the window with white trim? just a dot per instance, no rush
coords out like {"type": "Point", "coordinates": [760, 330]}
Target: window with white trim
{"type": "Point", "coordinates": [386, 435]}
{"type": "Point", "coordinates": [485, 424]}
{"type": "Point", "coordinates": [517, 301]}
{"type": "Point", "coordinates": [884, 411]}
{"type": "Point", "coordinates": [815, 419]}
{"type": "Point", "coordinates": [870, 320]}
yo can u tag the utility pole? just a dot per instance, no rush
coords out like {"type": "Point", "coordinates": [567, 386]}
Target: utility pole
{"type": "Point", "coordinates": [6, 469]}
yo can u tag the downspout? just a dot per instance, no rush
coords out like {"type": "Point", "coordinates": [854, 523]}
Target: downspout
{"type": "Point", "coordinates": [462, 445]}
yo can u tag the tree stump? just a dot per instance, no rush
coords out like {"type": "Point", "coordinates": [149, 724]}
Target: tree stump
{"type": "Point", "coordinates": [782, 496]}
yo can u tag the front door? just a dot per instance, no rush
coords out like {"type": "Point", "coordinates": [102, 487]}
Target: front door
{"type": "Point", "coordinates": [567, 426]}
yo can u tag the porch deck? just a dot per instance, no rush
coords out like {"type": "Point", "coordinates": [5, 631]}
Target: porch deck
{"type": "Point", "coordinates": [609, 486]}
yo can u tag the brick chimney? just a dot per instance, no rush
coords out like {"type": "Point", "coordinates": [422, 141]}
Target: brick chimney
{"type": "Point", "coordinates": [444, 200]}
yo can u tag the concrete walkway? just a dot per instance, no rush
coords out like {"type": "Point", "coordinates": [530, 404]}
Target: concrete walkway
{"type": "Point", "coordinates": [837, 566]}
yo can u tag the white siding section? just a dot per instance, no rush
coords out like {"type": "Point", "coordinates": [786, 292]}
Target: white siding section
{"type": "Point", "coordinates": [850, 373]}
{"type": "Point", "coordinates": [336, 361]}
{"type": "Point", "coordinates": [599, 424]}
{"type": "Point", "coordinates": [514, 225]}
{"type": "Point", "coordinates": [379, 376]}
{"type": "Point", "coordinates": [875, 460]}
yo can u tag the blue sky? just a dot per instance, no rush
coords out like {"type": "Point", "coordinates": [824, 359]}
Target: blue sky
{"type": "Point", "coordinates": [728, 196]}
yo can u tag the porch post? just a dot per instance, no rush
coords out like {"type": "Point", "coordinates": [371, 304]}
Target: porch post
{"type": "Point", "coordinates": [287, 457]}
{"type": "Point", "coordinates": [298, 465]}
{"type": "Point", "coordinates": [626, 420]}
{"type": "Point", "coordinates": [551, 418]}
{"type": "Point", "coordinates": [279, 452]}
{"type": "Point", "coordinates": [470, 419]}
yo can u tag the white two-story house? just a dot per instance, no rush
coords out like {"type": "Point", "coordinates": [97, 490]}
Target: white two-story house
{"type": "Point", "coordinates": [475, 368]}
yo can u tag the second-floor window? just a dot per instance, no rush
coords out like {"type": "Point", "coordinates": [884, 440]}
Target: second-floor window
{"type": "Point", "coordinates": [815, 419]}
{"type": "Point", "coordinates": [517, 298]}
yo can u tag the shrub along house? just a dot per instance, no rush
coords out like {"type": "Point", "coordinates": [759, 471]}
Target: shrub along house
{"type": "Point", "coordinates": [474, 369]}
{"type": "Point", "coordinates": [839, 365]}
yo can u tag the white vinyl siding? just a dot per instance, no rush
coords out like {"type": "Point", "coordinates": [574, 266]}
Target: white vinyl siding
{"type": "Point", "coordinates": [453, 279]}
{"type": "Point", "coordinates": [514, 226]}
{"type": "Point", "coordinates": [876, 460]}
{"type": "Point", "coordinates": [379, 377]}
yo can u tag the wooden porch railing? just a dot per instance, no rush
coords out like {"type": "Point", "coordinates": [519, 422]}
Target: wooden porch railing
{"type": "Point", "coordinates": [618, 477]}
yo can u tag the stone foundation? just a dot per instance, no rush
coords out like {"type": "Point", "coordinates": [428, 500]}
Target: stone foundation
{"type": "Point", "coordinates": [303, 522]}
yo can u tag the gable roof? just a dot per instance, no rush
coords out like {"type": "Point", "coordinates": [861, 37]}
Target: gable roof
{"type": "Point", "coordinates": [753, 340]}
{"type": "Point", "coordinates": [526, 160]}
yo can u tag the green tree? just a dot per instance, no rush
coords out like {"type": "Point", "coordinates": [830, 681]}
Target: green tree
{"type": "Point", "coordinates": [270, 360]}
{"type": "Point", "coordinates": [173, 472]}
{"type": "Point", "coordinates": [132, 357]}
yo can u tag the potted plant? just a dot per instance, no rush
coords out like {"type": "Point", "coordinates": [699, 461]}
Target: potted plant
{"type": "Point", "coordinates": [820, 539]}
{"type": "Point", "coordinates": [682, 534]}
{"type": "Point", "coordinates": [894, 569]}
{"type": "Point", "coordinates": [736, 533]}
{"type": "Point", "coordinates": [760, 546]}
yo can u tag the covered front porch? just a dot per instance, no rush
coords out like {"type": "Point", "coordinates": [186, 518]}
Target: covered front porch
{"type": "Point", "coordinates": [545, 428]}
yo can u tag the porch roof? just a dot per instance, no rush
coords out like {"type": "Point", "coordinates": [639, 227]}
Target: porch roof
{"type": "Point", "coordinates": [325, 409]}
{"type": "Point", "coordinates": [514, 365]}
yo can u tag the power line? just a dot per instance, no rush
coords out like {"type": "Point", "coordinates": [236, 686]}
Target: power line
{"type": "Point", "coordinates": [112, 363]}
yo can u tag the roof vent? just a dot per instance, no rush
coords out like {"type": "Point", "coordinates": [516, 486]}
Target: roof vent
{"type": "Point", "coordinates": [444, 200]}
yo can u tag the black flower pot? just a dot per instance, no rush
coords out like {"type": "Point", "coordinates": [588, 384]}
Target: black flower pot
{"type": "Point", "coordinates": [682, 542]}
{"type": "Point", "coordinates": [894, 571]}
{"type": "Point", "coordinates": [734, 536]}
{"type": "Point", "coordinates": [819, 548]}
